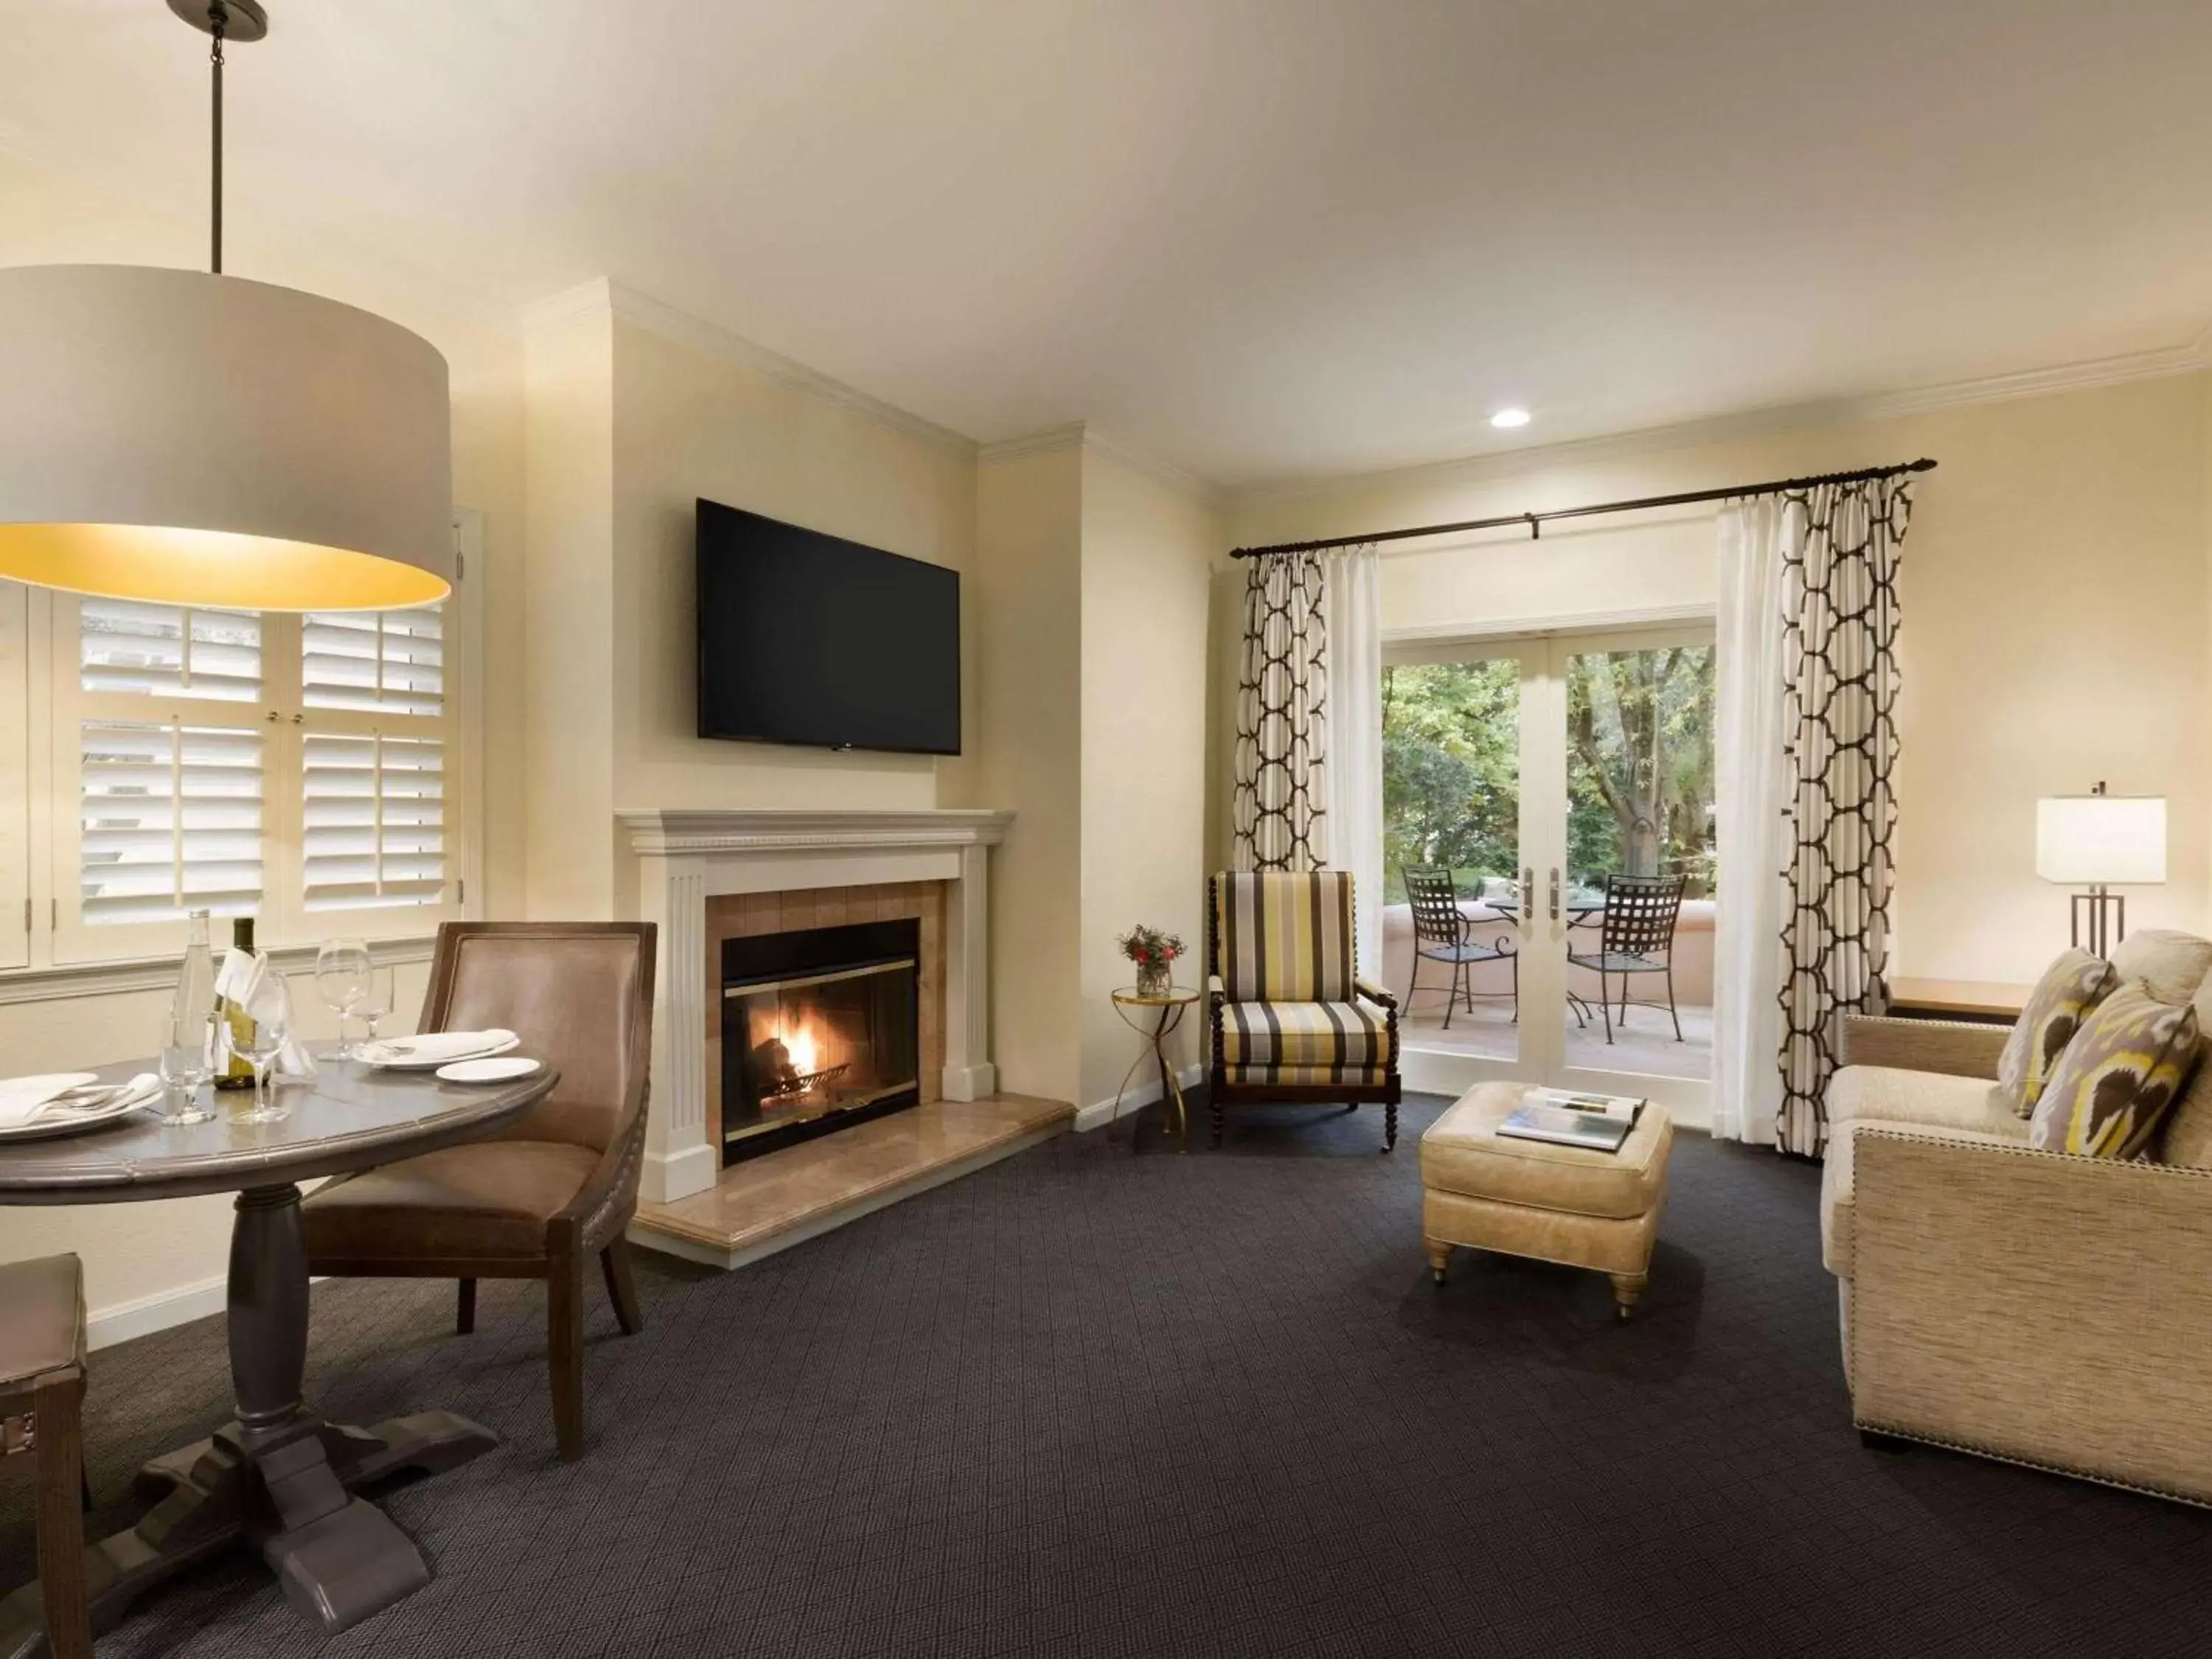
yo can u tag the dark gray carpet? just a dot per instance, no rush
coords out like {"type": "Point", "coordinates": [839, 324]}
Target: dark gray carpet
{"type": "Point", "coordinates": [1087, 1403]}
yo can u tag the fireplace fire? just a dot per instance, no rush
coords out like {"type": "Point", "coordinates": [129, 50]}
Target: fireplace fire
{"type": "Point", "coordinates": [820, 1031]}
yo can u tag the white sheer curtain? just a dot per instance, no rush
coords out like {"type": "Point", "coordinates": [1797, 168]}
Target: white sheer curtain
{"type": "Point", "coordinates": [1352, 602]}
{"type": "Point", "coordinates": [1752, 775]}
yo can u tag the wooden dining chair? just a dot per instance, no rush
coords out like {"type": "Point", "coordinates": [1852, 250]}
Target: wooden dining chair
{"type": "Point", "coordinates": [542, 1197]}
{"type": "Point", "coordinates": [41, 1410]}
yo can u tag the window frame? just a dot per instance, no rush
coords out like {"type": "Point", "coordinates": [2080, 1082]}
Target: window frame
{"type": "Point", "coordinates": [54, 705]}
{"type": "Point", "coordinates": [15, 728]}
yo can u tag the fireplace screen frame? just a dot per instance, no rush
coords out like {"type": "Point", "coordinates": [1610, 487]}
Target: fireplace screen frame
{"type": "Point", "coordinates": [778, 963]}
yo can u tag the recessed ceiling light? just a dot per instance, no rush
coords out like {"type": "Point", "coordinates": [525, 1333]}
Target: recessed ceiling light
{"type": "Point", "coordinates": [1507, 418]}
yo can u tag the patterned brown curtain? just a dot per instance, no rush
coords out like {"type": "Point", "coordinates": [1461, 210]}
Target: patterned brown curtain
{"type": "Point", "coordinates": [1839, 690]}
{"type": "Point", "coordinates": [1277, 808]}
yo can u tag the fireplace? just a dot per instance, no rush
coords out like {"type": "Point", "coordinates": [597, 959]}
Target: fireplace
{"type": "Point", "coordinates": [821, 1030]}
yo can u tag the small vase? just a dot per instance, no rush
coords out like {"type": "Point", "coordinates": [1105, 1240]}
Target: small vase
{"type": "Point", "coordinates": [1154, 979]}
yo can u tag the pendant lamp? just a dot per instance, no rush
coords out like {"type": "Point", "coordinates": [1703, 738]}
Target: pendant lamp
{"type": "Point", "coordinates": [196, 439]}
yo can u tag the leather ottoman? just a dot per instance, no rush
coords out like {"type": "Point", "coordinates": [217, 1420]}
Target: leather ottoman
{"type": "Point", "coordinates": [1565, 1204]}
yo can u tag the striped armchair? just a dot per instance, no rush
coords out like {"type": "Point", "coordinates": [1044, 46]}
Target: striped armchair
{"type": "Point", "coordinates": [1292, 1021]}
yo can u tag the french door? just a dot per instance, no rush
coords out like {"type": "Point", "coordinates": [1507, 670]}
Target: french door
{"type": "Point", "coordinates": [1566, 782]}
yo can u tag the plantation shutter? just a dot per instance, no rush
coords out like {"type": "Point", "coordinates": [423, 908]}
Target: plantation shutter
{"type": "Point", "coordinates": [374, 821]}
{"type": "Point", "coordinates": [170, 818]}
{"type": "Point", "coordinates": [391, 661]}
{"type": "Point", "coordinates": [308, 770]}
{"type": "Point", "coordinates": [166, 651]}
{"type": "Point", "coordinates": [169, 795]}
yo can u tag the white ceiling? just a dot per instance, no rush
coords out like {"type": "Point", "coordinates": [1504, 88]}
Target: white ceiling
{"type": "Point", "coordinates": [1258, 238]}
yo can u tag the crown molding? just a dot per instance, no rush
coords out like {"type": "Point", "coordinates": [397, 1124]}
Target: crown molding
{"type": "Point", "coordinates": [2159, 365]}
{"type": "Point", "coordinates": [1201, 491]}
{"type": "Point", "coordinates": [1767, 421]}
{"type": "Point", "coordinates": [1051, 440]}
{"type": "Point", "coordinates": [591, 299]}
{"type": "Point", "coordinates": [604, 295]}
{"type": "Point", "coordinates": [1081, 435]}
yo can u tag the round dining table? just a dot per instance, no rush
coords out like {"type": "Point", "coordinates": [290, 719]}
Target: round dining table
{"type": "Point", "coordinates": [280, 1478]}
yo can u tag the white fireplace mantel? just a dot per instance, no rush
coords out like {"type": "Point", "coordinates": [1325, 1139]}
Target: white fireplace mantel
{"type": "Point", "coordinates": [687, 856]}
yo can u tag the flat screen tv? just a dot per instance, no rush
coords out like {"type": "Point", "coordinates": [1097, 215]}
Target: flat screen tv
{"type": "Point", "coordinates": [811, 639]}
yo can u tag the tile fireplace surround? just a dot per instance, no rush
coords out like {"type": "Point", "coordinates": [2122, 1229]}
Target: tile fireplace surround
{"type": "Point", "coordinates": [686, 857]}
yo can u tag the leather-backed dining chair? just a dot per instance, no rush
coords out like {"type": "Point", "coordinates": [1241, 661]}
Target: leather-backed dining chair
{"type": "Point", "coordinates": [41, 1410]}
{"type": "Point", "coordinates": [540, 1197]}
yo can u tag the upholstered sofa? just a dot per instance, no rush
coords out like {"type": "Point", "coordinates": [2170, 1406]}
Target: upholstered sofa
{"type": "Point", "coordinates": [2036, 1306]}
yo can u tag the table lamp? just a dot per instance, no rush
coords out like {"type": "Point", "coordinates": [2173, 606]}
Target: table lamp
{"type": "Point", "coordinates": [2098, 842]}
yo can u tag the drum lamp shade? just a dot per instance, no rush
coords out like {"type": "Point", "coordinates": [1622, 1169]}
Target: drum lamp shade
{"type": "Point", "coordinates": [199, 440]}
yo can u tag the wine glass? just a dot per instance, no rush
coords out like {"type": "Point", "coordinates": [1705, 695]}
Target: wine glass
{"type": "Point", "coordinates": [264, 1039]}
{"type": "Point", "coordinates": [189, 1045]}
{"type": "Point", "coordinates": [375, 1000]}
{"type": "Point", "coordinates": [342, 972]}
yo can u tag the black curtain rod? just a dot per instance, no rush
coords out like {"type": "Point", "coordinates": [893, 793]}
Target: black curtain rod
{"type": "Point", "coordinates": [1535, 521]}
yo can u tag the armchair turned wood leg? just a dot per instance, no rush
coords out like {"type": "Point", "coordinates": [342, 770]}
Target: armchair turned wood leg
{"type": "Point", "coordinates": [465, 1319]}
{"type": "Point", "coordinates": [622, 1285]}
{"type": "Point", "coordinates": [59, 1467]}
{"type": "Point", "coordinates": [1213, 1109]}
{"type": "Point", "coordinates": [1439, 1259]}
{"type": "Point", "coordinates": [1627, 1287]}
{"type": "Point", "coordinates": [1389, 1126]}
{"type": "Point", "coordinates": [564, 1304]}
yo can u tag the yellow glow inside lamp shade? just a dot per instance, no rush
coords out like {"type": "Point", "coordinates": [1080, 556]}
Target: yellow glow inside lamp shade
{"type": "Point", "coordinates": [192, 439]}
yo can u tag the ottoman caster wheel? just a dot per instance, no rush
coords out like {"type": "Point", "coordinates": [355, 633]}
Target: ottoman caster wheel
{"type": "Point", "coordinates": [1627, 1287]}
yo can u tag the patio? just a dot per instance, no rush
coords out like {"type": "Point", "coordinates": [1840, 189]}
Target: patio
{"type": "Point", "coordinates": [1644, 1045]}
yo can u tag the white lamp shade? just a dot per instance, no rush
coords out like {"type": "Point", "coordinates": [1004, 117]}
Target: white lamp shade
{"type": "Point", "coordinates": [191, 439]}
{"type": "Point", "coordinates": [2100, 840]}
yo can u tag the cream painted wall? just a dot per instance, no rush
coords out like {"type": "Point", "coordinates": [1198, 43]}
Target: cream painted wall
{"type": "Point", "coordinates": [568, 611]}
{"type": "Point", "coordinates": [690, 422]}
{"type": "Point", "coordinates": [142, 1259]}
{"type": "Point", "coordinates": [1148, 551]}
{"type": "Point", "coordinates": [2055, 595]}
{"type": "Point", "coordinates": [1029, 758]}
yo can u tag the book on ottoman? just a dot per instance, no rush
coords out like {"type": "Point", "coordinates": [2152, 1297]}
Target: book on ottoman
{"type": "Point", "coordinates": [1567, 1117]}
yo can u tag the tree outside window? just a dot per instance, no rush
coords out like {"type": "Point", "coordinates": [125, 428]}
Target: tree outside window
{"type": "Point", "coordinates": [1640, 767]}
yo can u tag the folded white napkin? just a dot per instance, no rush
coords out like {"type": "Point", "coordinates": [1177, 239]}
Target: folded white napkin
{"type": "Point", "coordinates": [25, 1099]}
{"type": "Point", "coordinates": [249, 981]}
{"type": "Point", "coordinates": [21, 1097]}
{"type": "Point", "coordinates": [439, 1046]}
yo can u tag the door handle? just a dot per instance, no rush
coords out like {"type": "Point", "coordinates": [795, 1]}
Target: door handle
{"type": "Point", "coordinates": [1555, 893]}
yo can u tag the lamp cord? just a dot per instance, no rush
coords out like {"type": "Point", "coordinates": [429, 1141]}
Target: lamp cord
{"type": "Point", "coordinates": [218, 16]}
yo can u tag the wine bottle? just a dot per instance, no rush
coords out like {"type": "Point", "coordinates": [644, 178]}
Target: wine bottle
{"type": "Point", "coordinates": [236, 1073]}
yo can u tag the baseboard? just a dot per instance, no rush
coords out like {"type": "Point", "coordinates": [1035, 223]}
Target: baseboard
{"type": "Point", "coordinates": [970, 1081]}
{"type": "Point", "coordinates": [148, 1314]}
{"type": "Point", "coordinates": [666, 1177]}
{"type": "Point", "coordinates": [1100, 1113]}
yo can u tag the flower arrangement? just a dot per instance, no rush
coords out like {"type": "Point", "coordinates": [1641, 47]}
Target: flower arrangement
{"type": "Point", "coordinates": [1154, 952]}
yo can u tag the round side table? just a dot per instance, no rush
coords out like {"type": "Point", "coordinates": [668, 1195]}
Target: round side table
{"type": "Point", "coordinates": [1166, 1011]}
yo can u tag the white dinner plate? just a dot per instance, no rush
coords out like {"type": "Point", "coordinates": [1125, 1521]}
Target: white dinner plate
{"type": "Point", "coordinates": [62, 1121]}
{"type": "Point", "coordinates": [435, 1062]}
{"type": "Point", "coordinates": [488, 1071]}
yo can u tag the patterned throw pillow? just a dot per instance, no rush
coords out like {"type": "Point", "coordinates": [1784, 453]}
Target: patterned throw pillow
{"type": "Point", "coordinates": [2068, 989]}
{"type": "Point", "coordinates": [2118, 1078]}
